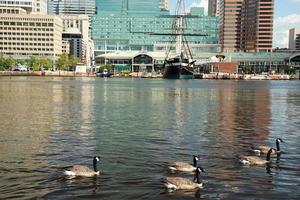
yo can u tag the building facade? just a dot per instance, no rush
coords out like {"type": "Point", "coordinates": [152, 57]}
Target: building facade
{"type": "Point", "coordinates": [76, 31]}
{"type": "Point", "coordinates": [76, 16]}
{"type": "Point", "coordinates": [30, 6]}
{"type": "Point", "coordinates": [23, 35]}
{"type": "Point", "coordinates": [72, 7]}
{"type": "Point", "coordinates": [214, 7]}
{"type": "Point", "coordinates": [132, 25]}
{"type": "Point", "coordinates": [246, 25]}
{"type": "Point", "coordinates": [132, 7]}
{"type": "Point", "coordinates": [294, 39]}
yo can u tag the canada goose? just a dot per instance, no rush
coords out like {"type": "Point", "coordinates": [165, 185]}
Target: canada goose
{"type": "Point", "coordinates": [265, 149]}
{"type": "Point", "coordinates": [80, 170]}
{"type": "Point", "coordinates": [178, 183]}
{"type": "Point", "coordinates": [185, 167]}
{"type": "Point", "coordinates": [254, 160]}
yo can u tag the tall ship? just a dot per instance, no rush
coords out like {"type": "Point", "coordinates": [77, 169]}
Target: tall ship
{"type": "Point", "coordinates": [180, 66]}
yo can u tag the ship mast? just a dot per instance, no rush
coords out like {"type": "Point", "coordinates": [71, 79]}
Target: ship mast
{"type": "Point", "coordinates": [179, 26]}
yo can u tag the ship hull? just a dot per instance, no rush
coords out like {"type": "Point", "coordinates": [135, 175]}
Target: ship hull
{"type": "Point", "coordinates": [177, 71]}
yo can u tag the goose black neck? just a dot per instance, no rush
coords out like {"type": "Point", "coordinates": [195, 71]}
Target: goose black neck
{"type": "Point", "coordinates": [269, 155]}
{"type": "Point", "coordinates": [198, 178]}
{"type": "Point", "coordinates": [195, 162]}
{"type": "Point", "coordinates": [277, 145]}
{"type": "Point", "coordinates": [95, 165]}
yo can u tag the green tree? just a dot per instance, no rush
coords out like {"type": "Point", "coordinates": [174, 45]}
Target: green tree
{"type": "Point", "coordinates": [73, 60]}
{"type": "Point", "coordinates": [63, 62]}
{"type": "Point", "coordinates": [7, 63]}
{"type": "Point", "coordinates": [32, 62]}
{"type": "Point", "coordinates": [106, 66]}
{"type": "Point", "coordinates": [47, 63]}
{"type": "Point", "coordinates": [43, 63]}
{"type": "Point", "coordinates": [22, 62]}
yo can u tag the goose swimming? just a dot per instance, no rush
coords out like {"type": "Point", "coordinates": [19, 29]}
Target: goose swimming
{"type": "Point", "coordinates": [254, 160]}
{"type": "Point", "coordinates": [185, 167]}
{"type": "Point", "coordinates": [179, 183]}
{"type": "Point", "coordinates": [265, 149]}
{"type": "Point", "coordinates": [80, 170]}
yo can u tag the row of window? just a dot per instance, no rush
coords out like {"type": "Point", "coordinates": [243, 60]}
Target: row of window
{"type": "Point", "coordinates": [28, 39]}
{"type": "Point", "coordinates": [26, 44]}
{"type": "Point", "coordinates": [25, 49]}
{"type": "Point", "coordinates": [31, 24]}
{"type": "Point", "coordinates": [26, 19]}
{"type": "Point", "coordinates": [26, 29]}
{"type": "Point", "coordinates": [29, 34]}
{"type": "Point", "coordinates": [27, 54]}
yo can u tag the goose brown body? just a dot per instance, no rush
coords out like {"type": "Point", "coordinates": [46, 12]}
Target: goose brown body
{"type": "Point", "coordinates": [182, 166]}
{"type": "Point", "coordinates": [80, 170]}
{"type": "Point", "coordinates": [181, 183]}
{"type": "Point", "coordinates": [254, 160]}
{"type": "Point", "coordinates": [262, 149]}
{"type": "Point", "coordinates": [185, 167]}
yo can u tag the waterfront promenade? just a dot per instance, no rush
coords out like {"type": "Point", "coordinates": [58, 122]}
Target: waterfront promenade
{"type": "Point", "coordinates": [149, 75]}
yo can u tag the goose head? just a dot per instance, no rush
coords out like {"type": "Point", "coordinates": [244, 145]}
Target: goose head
{"type": "Point", "coordinates": [278, 140]}
{"type": "Point", "coordinates": [272, 150]}
{"type": "Point", "coordinates": [195, 160]}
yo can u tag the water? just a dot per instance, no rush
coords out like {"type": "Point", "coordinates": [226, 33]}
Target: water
{"type": "Point", "coordinates": [138, 127]}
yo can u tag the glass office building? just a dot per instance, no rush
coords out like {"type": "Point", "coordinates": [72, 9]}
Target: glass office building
{"type": "Point", "coordinates": [132, 7]}
{"type": "Point", "coordinates": [134, 25]}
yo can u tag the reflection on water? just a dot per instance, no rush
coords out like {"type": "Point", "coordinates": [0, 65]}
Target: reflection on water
{"type": "Point", "coordinates": [138, 126]}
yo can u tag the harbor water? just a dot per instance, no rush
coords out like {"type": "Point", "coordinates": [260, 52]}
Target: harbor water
{"type": "Point", "coordinates": [138, 127]}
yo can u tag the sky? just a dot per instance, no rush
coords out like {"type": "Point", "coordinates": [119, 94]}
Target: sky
{"type": "Point", "coordinates": [287, 16]}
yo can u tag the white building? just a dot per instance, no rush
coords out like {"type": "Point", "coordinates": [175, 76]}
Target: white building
{"type": "Point", "coordinates": [31, 6]}
{"type": "Point", "coordinates": [294, 39]}
{"type": "Point", "coordinates": [72, 7]}
{"type": "Point", "coordinates": [23, 35]}
{"type": "Point", "coordinates": [76, 31]}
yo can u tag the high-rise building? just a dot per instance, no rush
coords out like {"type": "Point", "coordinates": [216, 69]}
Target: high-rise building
{"type": "Point", "coordinates": [214, 7]}
{"type": "Point", "coordinates": [246, 25]}
{"type": "Point", "coordinates": [31, 6]}
{"type": "Point", "coordinates": [23, 35]}
{"type": "Point", "coordinates": [76, 31]}
{"type": "Point", "coordinates": [294, 39]}
{"type": "Point", "coordinates": [77, 16]}
{"type": "Point", "coordinates": [131, 33]}
{"type": "Point", "coordinates": [72, 7]}
{"type": "Point", "coordinates": [132, 7]}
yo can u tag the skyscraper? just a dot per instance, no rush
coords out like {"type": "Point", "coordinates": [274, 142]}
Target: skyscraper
{"type": "Point", "coordinates": [246, 25]}
{"type": "Point", "coordinates": [214, 7]}
{"type": "Point", "coordinates": [132, 7]}
{"type": "Point", "coordinates": [59, 7]}
{"type": "Point", "coordinates": [294, 39]}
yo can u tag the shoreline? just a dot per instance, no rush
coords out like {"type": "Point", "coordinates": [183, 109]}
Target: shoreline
{"type": "Point", "coordinates": [212, 76]}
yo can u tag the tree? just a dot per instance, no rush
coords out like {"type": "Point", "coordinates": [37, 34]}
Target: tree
{"type": "Point", "coordinates": [44, 63]}
{"type": "Point", "coordinates": [63, 61]}
{"type": "Point", "coordinates": [73, 60]}
{"type": "Point", "coordinates": [106, 66]}
{"type": "Point", "coordinates": [7, 63]}
{"type": "Point", "coordinates": [32, 62]}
